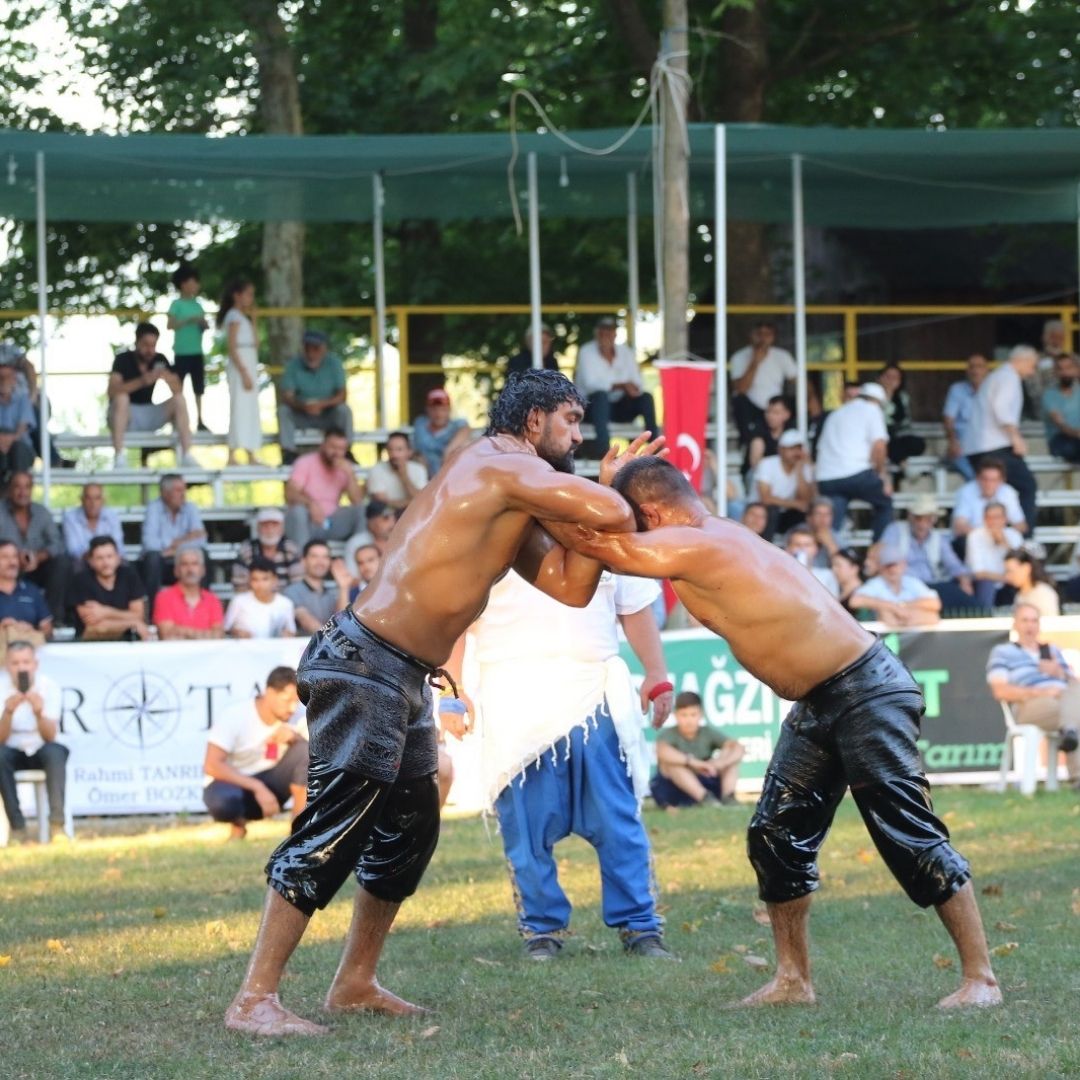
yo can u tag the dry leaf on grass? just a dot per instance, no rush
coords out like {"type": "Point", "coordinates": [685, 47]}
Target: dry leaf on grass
{"type": "Point", "coordinates": [622, 1059]}
{"type": "Point", "coordinates": [993, 889]}
{"type": "Point", "coordinates": [487, 963]}
{"type": "Point", "coordinates": [758, 963]}
{"type": "Point", "coordinates": [721, 966]}
{"type": "Point", "coordinates": [943, 962]}
{"type": "Point", "coordinates": [1005, 948]}
{"type": "Point", "coordinates": [54, 945]}
{"type": "Point", "coordinates": [1076, 907]}
{"type": "Point", "coordinates": [865, 855]}
{"type": "Point", "coordinates": [159, 913]}
{"type": "Point", "coordinates": [5, 960]}
{"type": "Point", "coordinates": [215, 927]}
{"type": "Point", "coordinates": [428, 1032]}
{"type": "Point", "coordinates": [1004, 926]}
{"type": "Point", "coordinates": [963, 1052]}
{"type": "Point", "coordinates": [761, 916]}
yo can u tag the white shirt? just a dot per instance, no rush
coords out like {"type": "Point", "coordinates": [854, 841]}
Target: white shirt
{"type": "Point", "coordinates": [847, 438]}
{"type": "Point", "coordinates": [771, 374]}
{"type": "Point", "coordinates": [24, 729]}
{"type": "Point", "coordinates": [970, 504]}
{"type": "Point", "coordinates": [782, 485]}
{"type": "Point", "coordinates": [383, 482]}
{"type": "Point", "coordinates": [241, 733]}
{"type": "Point", "coordinates": [877, 588]}
{"type": "Point", "coordinates": [984, 556]}
{"type": "Point", "coordinates": [594, 374]}
{"type": "Point", "coordinates": [1000, 401]}
{"type": "Point", "coordinates": [247, 612]}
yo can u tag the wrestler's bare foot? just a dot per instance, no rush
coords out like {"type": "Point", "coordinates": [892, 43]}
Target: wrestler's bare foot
{"type": "Point", "coordinates": [370, 997]}
{"type": "Point", "coordinates": [973, 994]}
{"type": "Point", "coordinates": [263, 1014]}
{"type": "Point", "coordinates": [783, 990]}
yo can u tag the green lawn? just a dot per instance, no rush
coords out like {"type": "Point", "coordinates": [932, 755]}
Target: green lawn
{"type": "Point", "coordinates": [125, 950]}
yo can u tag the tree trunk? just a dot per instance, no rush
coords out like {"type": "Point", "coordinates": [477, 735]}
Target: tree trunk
{"type": "Point", "coordinates": [676, 196]}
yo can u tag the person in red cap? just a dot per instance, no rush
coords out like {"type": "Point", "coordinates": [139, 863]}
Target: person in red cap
{"type": "Point", "coordinates": [435, 433]}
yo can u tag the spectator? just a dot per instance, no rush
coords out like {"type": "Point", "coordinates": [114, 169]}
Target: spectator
{"type": "Point", "coordinates": [766, 438]}
{"type": "Point", "coordinates": [23, 611]}
{"type": "Point", "coordinates": [1054, 345]}
{"type": "Point", "coordinates": [270, 543]}
{"type": "Point", "coordinates": [314, 601]}
{"type": "Point", "coordinates": [261, 612]}
{"type": "Point", "coordinates": [236, 320]}
{"type": "Point", "coordinates": [820, 520]}
{"type": "Point", "coordinates": [367, 559]}
{"type": "Point", "coordinates": [31, 528]}
{"type": "Point", "coordinates": [784, 483]}
{"type": "Point", "coordinates": [523, 360]}
{"type": "Point", "coordinates": [895, 597]}
{"type": "Point", "coordinates": [815, 411]}
{"type": "Point", "coordinates": [609, 379]}
{"type": "Point", "coordinates": [80, 524]}
{"type": "Point", "coordinates": [380, 520]}
{"type": "Point", "coordinates": [987, 547]}
{"type": "Point", "coordinates": [1035, 680]}
{"type": "Point", "coordinates": [186, 611]}
{"type": "Point", "coordinates": [131, 396]}
{"type": "Point", "coordinates": [397, 480]}
{"type": "Point", "coordinates": [956, 415]}
{"type": "Point", "coordinates": [1025, 574]}
{"type": "Point", "coordinates": [29, 724]}
{"type": "Point", "coordinates": [801, 545]}
{"type": "Point", "coordinates": [16, 422]}
{"type": "Point", "coordinates": [695, 763]}
{"type": "Point", "coordinates": [759, 372]}
{"type": "Point", "coordinates": [313, 395]}
{"type": "Point", "coordinates": [755, 517]}
{"type": "Point", "coordinates": [187, 321]}
{"type": "Point", "coordinates": [1061, 410]}
{"type": "Point", "coordinates": [314, 489]}
{"type": "Point", "coordinates": [1070, 589]}
{"type": "Point", "coordinates": [435, 433]}
{"type": "Point", "coordinates": [847, 569]}
{"type": "Point", "coordinates": [994, 430]}
{"type": "Point", "coordinates": [26, 381]}
{"type": "Point", "coordinates": [171, 523]}
{"type": "Point", "coordinates": [852, 461]}
{"type": "Point", "coordinates": [903, 442]}
{"type": "Point", "coordinates": [256, 757]}
{"type": "Point", "coordinates": [108, 601]}
{"type": "Point", "coordinates": [974, 496]}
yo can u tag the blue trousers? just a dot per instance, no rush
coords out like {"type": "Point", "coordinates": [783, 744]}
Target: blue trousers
{"type": "Point", "coordinates": [588, 793]}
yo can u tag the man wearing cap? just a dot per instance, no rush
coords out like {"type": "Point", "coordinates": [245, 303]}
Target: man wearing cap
{"type": "Point", "coordinates": [896, 597]}
{"type": "Point", "coordinates": [610, 381]}
{"type": "Point", "coordinates": [523, 360]}
{"type": "Point", "coordinates": [269, 543]}
{"type": "Point", "coordinates": [784, 482]}
{"type": "Point", "coordinates": [853, 457]}
{"type": "Point", "coordinates": [314, 489]}
{"type": "Point", "coordinates": [397, 480]}
{"type": "Point", "coordinates": [759, 372]}
{"type": "Point", "coordinates": [436, 433]}
{"type": "Point", "coordinates": [312, 395]}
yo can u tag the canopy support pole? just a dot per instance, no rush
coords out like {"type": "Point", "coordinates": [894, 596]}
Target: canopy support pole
{"type": "Point", "coordinates": [720, 288]}
{"type": "Point", "coordinates": [43, 314]}
{"type": "Point", "coordinates": [536, 321]}
{"type": "Point", "coordinates": [1074, 341]}
{"type": "Point", "coordinates": [799, 271]}
{"type": "Point", "coordinates": [634, 277]}
{"type": "Point", "coordinates": [380, 299]}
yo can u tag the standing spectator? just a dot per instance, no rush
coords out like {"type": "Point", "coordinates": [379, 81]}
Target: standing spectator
{"type": "Point", "coordinates": [397, 480]}
{"type": "Point", "coordinates": [1061, 410]}
{"type": "Point", "coordinates": [23, 611]}
{"type": "Point", "coordinates": [903, 442]}
{"type": "Point", "coordinates": [108, 601]}
{"type": "Point", "coordinates": [237, 321]}
{"type": "Point", "coordinates": [435, 433]}
{"type": "Point", "coordinates": [523, 360]}
{"type": "Point", "coordinates": [755, 517]}
{"type": "Point", "coordinates": [994, 430]}
{"type": "Point", "coordinates": [16, 422]}
{"type": "Point", "coordinates": [852, 461]}
{"type": "Point", "coordinates": [261, 612]}
{"type": "Point", "coordinates": [974, 496]}
{"type": "Point", "coordinates": [187, 321]}
{"type": "Point", "coordinates": [80, 524]}
{"type": "Point", "coordinates": [766, 438]}
{"type": "Point", "coordinates": [314, 489]}
{"type": "Point", "coordinates": [380, 520]}
{"type": "Point", "coordinates": [847, 569]}
{"type": "Point", "coordinates": [134, 375]}
{"type": "Point", "coordinates": [171, 523]}
{"type": "Point", "coordinates": [312, 596]}
{"type": "Point", "coordinates": [186, 611]}
{"type": "Point", "coordinates": [256, 757]}
{"type": "Point", "coordinates": [956, 415]}
{"type": "Point", "coordinates": [31, 528]}
{"type": "Point", "coordinates": [759, 372]}
{"type": "Point", "coordinates": [367, 559]}
{"type": "Point", "coordinates": [270, 543]}
{"type": "Point", "coordinates": [1025, 574]}
{"type": "Point", "coordinates": [829, 541]}
{"type": "Point", "coordinates": [609, 379]}
{"type": "Point", "coordinates": [29, 724]}
{"type": "Point", "coordinates": [312, 395]}
{"type": "Point", "coordinates": [784, 483]}
{"type": "Point", "coordinates": [987, 547]}
{"type": "Point", "coordinates": [896, 597]}
{"type": "Point", "coordinates": [801, 545]}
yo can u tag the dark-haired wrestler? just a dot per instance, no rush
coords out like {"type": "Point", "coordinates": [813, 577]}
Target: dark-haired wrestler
{"type": "Point", "coordinates": [373, 800]}
{"type": "Point", "coordinates": [855, 720]}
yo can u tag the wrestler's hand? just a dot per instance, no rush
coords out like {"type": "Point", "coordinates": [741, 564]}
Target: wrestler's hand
{"type": "Point", "coordinates": [456, 715]}
{"type": "Point", "coordinates": [267, 800]}
{"type": "Point", "coordinates": [613, 461]}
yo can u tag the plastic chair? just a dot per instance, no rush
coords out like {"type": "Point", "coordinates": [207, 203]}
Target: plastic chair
{"type": "Point", "coordinates": [1026, 755]}
{"type": "Point", "coordinates": [36, 778]}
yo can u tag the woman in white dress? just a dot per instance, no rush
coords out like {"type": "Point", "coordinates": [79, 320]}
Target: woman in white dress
{"type": "Point", "coordinates": [236, 318]}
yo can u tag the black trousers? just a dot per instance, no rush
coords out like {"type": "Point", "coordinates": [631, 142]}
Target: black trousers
{"type": "Point", "coordinates": [52, 757]}
{"type": "Point", "coordinates": [1019, 475]}
{"type": "Point", "coordinates": [230, 802]}
{"type": "Point", "coordinates": [602, 411]}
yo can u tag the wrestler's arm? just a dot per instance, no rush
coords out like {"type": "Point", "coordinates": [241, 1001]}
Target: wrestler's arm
{"type": "Point", "coordinates": [536, 488]}
{"type": "Point", "coordinates": [564, 575]}
{"type": "Point", "coordinates": [662, 553]}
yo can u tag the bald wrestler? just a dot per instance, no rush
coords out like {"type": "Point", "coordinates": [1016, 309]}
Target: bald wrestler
{"type": "Point", "coordinates": [373, 798]}
{"type": "Point", "coordinates": [854, 723]}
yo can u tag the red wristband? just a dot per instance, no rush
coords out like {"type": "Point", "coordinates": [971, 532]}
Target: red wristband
{"type": "Point", "coordinates": [660, 688]}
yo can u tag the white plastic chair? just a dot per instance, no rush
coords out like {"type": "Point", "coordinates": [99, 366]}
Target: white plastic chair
{"type": "Point", "coordinates": [1022, 742]}
{"type": "Point", "coordinates": [36, 779]}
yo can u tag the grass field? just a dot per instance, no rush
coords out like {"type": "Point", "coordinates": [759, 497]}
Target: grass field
{"type": "Point", "coordinates": [119, 954]}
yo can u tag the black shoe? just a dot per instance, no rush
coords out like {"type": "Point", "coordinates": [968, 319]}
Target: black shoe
{"type": "Point", "coordinates": [18, 835]}
{"type": "Point", "coordinates": [650, 946]}
{"type": "Point", "coordinates": [542, 948]}
{"type": "Point", "coordinates": [202, 427]}
{"type": "Point", "coordinates": [1068, 740]}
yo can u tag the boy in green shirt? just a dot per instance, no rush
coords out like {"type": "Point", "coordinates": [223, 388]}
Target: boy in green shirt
{"type": "Point", "coordinates": [188, 321]}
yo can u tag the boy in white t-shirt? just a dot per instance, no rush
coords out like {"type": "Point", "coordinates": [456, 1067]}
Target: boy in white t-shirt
{"type": "Point", "coordinates": [261, 612]}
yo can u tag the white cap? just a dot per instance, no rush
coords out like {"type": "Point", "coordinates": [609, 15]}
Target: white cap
{"type": "Point", "coordinates": [791, 437]}
{"type": "Point", "coordinates": [875, 391]}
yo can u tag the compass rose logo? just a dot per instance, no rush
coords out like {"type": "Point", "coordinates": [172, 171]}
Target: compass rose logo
{"type": "Point", "coordinates": [141, 710]}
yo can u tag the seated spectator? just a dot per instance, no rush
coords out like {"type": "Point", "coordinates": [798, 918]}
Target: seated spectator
{"type": "Point", "coordinates": [847, 569]}
{"type": "Point", "coordinates": [987, 547]}
{"type": "Point", "coordinates": [312, 395]}
{"type": "Point", "coordinates": [695, 763]}
{"type": "Point", "coordinates": [755, 517]}
{"type": "Point", "coordinates": [312, 596]}
{"type": "Point", "coordinates": [436, 433]}
{"type": "Point", "coordinates": [131, 396]}
{"type": "Point", "coordinates": [314, 489]}
{"type": "Point", "coordinates": [90, 518]}
{"type": "Point", "coordinates": [380, 520]}
{"type": "Point", "coordinates": [852, 461]}
{"type": "Point", "coordinates": [759, 372]}
{"type": "Point", "coordinates": [801, 545]}
{"type": "Point", "coordinates": [974, 496]}
{"type": "Point", "coordinates": [269, 543]}
{"type": "Point", "coordinates": [108, 601]}
{"type": "Point", "coordinates": [261, 612]}
{"type": "Point", "coordinates": [784, 483]}
{"type": "Point", "coordinates": [26, 380]}
{"type": "Point", "coordinates": [29, 724]}
{"type": "Point", "coordinates": [815, 411]}
{"type": "Point", "coordinates": [367, 560]}
{"type": "Point", "coordinates": [523, 360]}
{"type": "Point", "coordinates": [24, 614]}
{"type": "Point", "coordinates": [170, 523]}
{"type": "Point", "coordinates": [1025, 574]}
{"type": "Point", "coordinates": [1070, 589]}
{"type": "Point", "coordinates": [397, 480]}
{"type": "Point", "coordinates": [186, 611]}
{"type": "Point", "coordinates": [829, 541]}
{"type": "Point", "coordinates": [1035, 680]}
{"type": "Point", "coordinates": [765, 442]}
{"type": "Point", "coordinates": [903, 442]}
{"type": "Point", "coordinates": [895, 597]}
{"type": "Point", "coordinates": [1061, 410]}
{"type": "Point", "coordinates": [42, 558]}
{"type": "Point", "coordinates": [16, 422]}
{"type": "Point", "coordinates": [957, 413]}
{"type": "Point", "coordinates": [1054, 345]}
{"type": "Point", "coordinates": [609, 379]}
{"type": "Point", "coordinates": [257, 757]}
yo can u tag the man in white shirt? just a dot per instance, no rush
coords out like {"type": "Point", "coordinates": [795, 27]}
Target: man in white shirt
{"type": "Point", "coordinates": [802, 546]}
{"type": "Point", "coordinates": [994, 430]}
{"type": "Point", "coordinates": [256, 757]}
{"type": "Point", "coordinates": [759, 372]}
{"type": "Point", "coordinates": [956, 416]}
{"type": "Point", "coordinates": [261, 612]}
{"type": "Point", "coordinates": [784, 482]}
{"type": "Point", "coordinates": [853, 457]}
{"type": "Point", "coordinates": [896, 597]}
{"type": "Point", "coordinates": [987, 487]}
{"type": "Point", "coordinates": [609, 379]}
{"type": "Point", "coordinates": [397, 480]}
{"type": "Point", "coordinates": [29, 724]}
{"type": "Point", "coordinates": [987, 547]}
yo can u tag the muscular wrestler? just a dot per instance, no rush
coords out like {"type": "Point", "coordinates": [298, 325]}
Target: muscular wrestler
{"type": "Point", "coordinates": [855, 721]}
{"type": "Point", "coordinates": [373, 799]}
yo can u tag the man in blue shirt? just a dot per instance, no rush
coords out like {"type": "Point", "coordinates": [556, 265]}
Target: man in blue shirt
{"type": "Point", "coordinates": [23, 610]}
{"type": "Point", "coordinates": [91, 518]}
{"type": "Point", "coordinates": [171, 523]}
{"type": "Point", "coordinates": [16, 420]}
{"type": "Point", "coordinates": [957, 413]}
{"type": "Point", "coordinates": [896, 597]}
{"type": "Point", "coordinates": [1061, 410]}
